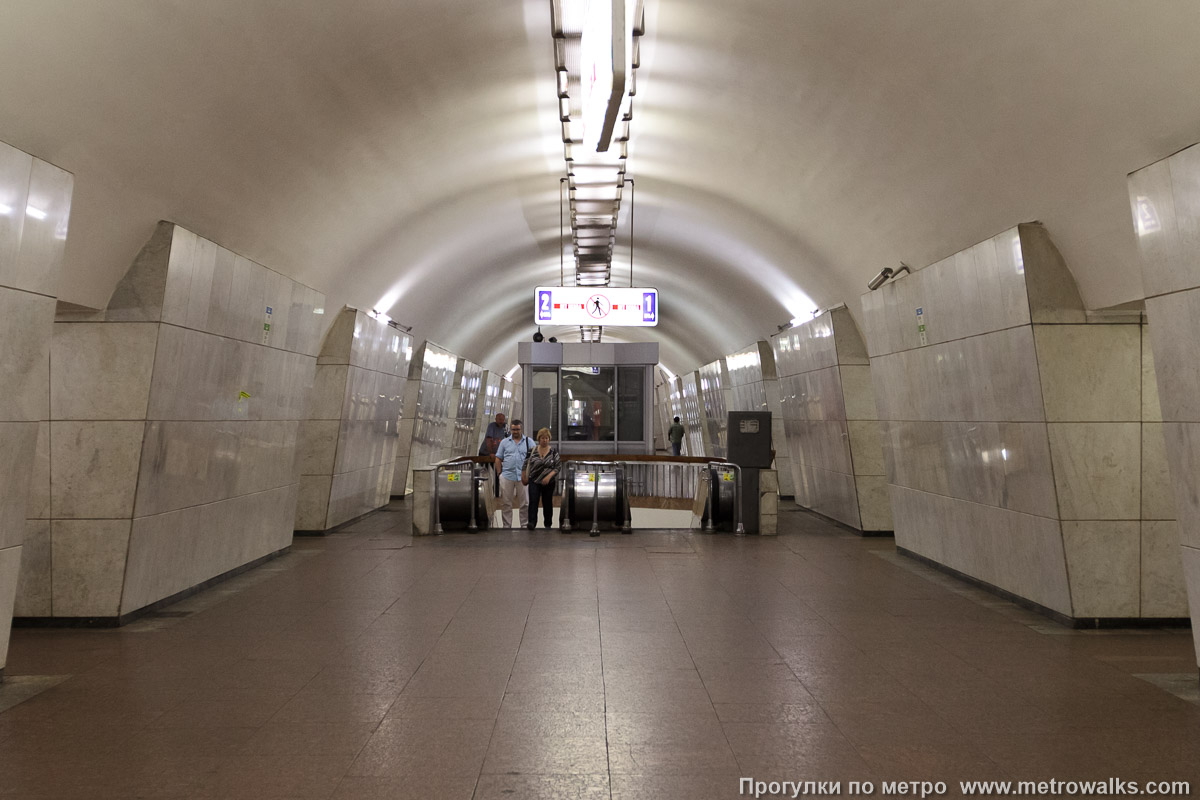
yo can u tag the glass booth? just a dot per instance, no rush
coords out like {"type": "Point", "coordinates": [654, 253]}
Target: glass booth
{"type": "Point", "coordinates": [594, 398]}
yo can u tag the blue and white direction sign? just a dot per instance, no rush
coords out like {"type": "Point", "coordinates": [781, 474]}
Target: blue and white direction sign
{"type": "Point", "coordinates": [596, 305]}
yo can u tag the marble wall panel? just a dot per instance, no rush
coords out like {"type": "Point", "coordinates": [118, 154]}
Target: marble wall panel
{"type": "Point", "coordinates": [188, 281]}
{"type": "Point", "coordinates": [15, 171]}
{"type": "Point", "coordinates": [833, 494]}
{"type": "Point", "coordinates": [18, 442]}
{"type": "Point", "coordinates": [34, 590]}
{"type": "Point", "coordinates": [1191, 579]}
{"type": "Point", "coordinates": [1174, 332]}
{"type": "Point", "coordinates": [88, 558]}
{"type": "Point", "coordinates": [1183, 456]}
{"type": "Point", "coordinates": [874, 502]}
{"type": "Point", "coordinates": [1051, 291]}
{"type": "Point", "coordinates": [352, 494]}
{"type": "Point", "coordinates": [992, 376]}
{"type": "Point", "coordinates": [44, 231]}
{"type": "Point", "coordinates": [712, 380]}
{"type": "Point", "coordinates": [980, 290]}
{"type": "Point", "coordinates": [1165, 253]}
{"type": "Point", "coordinates": [199, 376]}
{"type": "Point", "coordinates": [24, 349]}
{"type": "Point", "coordinates": [1158, 501]}
{"type": "Point", "coordinates": [693, 415]}
{"type": "Point", "coordinates": [1104, 562]}
{"type": "Point", "coordinates": [1163, 591]}
{"type": "Point", "coordinates": [312, 504]}
{"type": "Point", "coordinates": [1151, 408]}
{"type": "Point", "coordinates": [169, 553]}
{"type": "Point", "coordinates": [194, 463]}
{"type": "Point", "coordinates": [38, 505]}
{"type": "Point", "coordinates": [1016, 552]}
{"type": "Point", "coordinates": [94, 468]}
{"type": "Point", "coordinates": [858, 393]}
{"type": "Point", "coordinates": [10, 567]}
{"type": "Point", "coordinates": [1090, 373]}
{"type": "Point", "coordinates": [35, 206]}
{"type": "Point", "coordinates": [101, 371]}
{"type": "Point", "coordinates": [139, 294]}
{"type": "Point", "coordinates": [316, 446]}
{"type": "Point", "coordinates": [1097, 469]}
{"type": "Point", "coordinates": [866, 447]}
{"type": "Point", "coordinates": [1007, 465]}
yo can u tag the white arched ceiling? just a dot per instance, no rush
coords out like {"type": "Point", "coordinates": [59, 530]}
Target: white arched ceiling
{"type": "Point", "coordinates": [406, 155]}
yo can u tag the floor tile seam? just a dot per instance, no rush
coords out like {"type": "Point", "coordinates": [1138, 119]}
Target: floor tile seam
{"type": "Point", "coordinates": [379, 724]}
{"type": "Point", "coordinates": [724, 735]}
{"type": "Point", "coordinates": [511, 669]}
{"type": "Point", "coordinates": [603, 684]}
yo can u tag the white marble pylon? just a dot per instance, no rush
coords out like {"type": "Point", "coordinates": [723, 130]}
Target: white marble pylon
{"type": "Point", "coordinates": [1017, 435]}
{"type": "Point", "coordinates": [173, 420]}
{"type": "Point", "coordinates": [347, 448]}
{"type": "Point", "coordinates": [830, 421]}
{"type": "Point", "coordinates": [1164, 199]}
{"type": "Point", "coordinates": [35, 210]}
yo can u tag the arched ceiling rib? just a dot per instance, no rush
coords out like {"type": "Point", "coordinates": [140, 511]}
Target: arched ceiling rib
{"type": "Point", "coordinates": [408, 154]}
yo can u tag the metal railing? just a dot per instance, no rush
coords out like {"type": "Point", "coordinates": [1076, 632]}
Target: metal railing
{"type": "Point", "coordinates": [640, 479]}
{"type": "Point", "coordinates": [476, 477]}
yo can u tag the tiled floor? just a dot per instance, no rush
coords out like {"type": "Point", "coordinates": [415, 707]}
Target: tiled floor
{"type": "Point", "coordinates": [515, 665]}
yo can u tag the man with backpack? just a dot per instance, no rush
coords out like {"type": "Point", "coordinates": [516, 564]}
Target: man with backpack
{"type": "Point", "coordinates": [510, 458]}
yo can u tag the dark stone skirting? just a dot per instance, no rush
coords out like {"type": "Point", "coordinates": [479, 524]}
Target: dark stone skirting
{"type": "Point", "coordinates": [850, 528]}
{"type": "Point", "coordinates": [125, 619]}
{"type": "Point", "coordinates": [1079, 623]}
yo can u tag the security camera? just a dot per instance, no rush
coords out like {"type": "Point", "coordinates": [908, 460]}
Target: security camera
{"type": "Point", "coordinates": [885, 274]}
{"type": "Point", "coordinates": [537, 335]}
{"type": "Point", "coordinates": [879, 279]}
{"type": "Point", "coordinates": [553, 340]}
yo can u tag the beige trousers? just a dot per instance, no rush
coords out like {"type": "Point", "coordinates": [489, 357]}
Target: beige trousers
{"type": "Point", "coordinates": [512, 493]}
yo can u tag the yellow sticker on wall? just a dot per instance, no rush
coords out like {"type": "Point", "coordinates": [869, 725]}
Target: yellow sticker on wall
{"type": "Point", "coordinates": [726, 476]}
{"type": "Point", "coordinates": [454, 476]}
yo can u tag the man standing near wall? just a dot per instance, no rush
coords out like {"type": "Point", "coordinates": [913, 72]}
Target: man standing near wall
{"type": "Point", "coordinates": [675, 437]}
{"type": "Point", "coordinates": [510, 458]}
{"type": "Point", "coordinates": [497, 432]}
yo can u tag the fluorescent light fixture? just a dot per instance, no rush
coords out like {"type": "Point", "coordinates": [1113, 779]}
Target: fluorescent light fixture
{"type": "Point", "coordinates": [570, 393]}
{"type": "Point", "coordinates": [606, 59]}
{"type": "Point", "coordinates": [508, 376]}
{"type": "Point", "coordinates": [36, 213]}
{"type": "Point", "coordinates": [5, 210]}
{"type": "Point", "coordinates": [318, 311]}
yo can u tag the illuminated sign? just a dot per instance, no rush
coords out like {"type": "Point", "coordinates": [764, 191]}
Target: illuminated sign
{"type": "Point", "coordinates": [596, 305]}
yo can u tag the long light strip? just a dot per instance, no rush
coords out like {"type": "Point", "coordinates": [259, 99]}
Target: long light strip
{"type": "Point", "coordinates": [595, 109]}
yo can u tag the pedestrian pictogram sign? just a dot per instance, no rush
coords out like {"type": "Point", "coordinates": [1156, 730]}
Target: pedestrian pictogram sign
{"type": "Point", "coordinates": [589, 305]}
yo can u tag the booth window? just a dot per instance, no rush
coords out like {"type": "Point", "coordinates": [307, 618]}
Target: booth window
{"type": "Point", "coordinates": [543, 410]}
{"type": "Point", "coordinates": [588, 408]}
{"type": "Point", "coordinates": [631, 404]}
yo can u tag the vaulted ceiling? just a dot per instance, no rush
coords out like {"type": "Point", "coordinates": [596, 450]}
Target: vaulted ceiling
{"type": "Point", "coordinates": [406, 155]}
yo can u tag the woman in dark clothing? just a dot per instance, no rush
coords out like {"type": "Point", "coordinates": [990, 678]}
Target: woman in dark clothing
{"type": "Point", "coordinates": [541, 469]}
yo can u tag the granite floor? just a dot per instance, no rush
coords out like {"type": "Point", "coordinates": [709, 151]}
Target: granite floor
{"type": "Point", "coordinates": [368, 664]}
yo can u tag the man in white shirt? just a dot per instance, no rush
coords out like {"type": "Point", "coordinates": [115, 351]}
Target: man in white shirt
{"type": "Point", "coordinates": [510, 458]}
